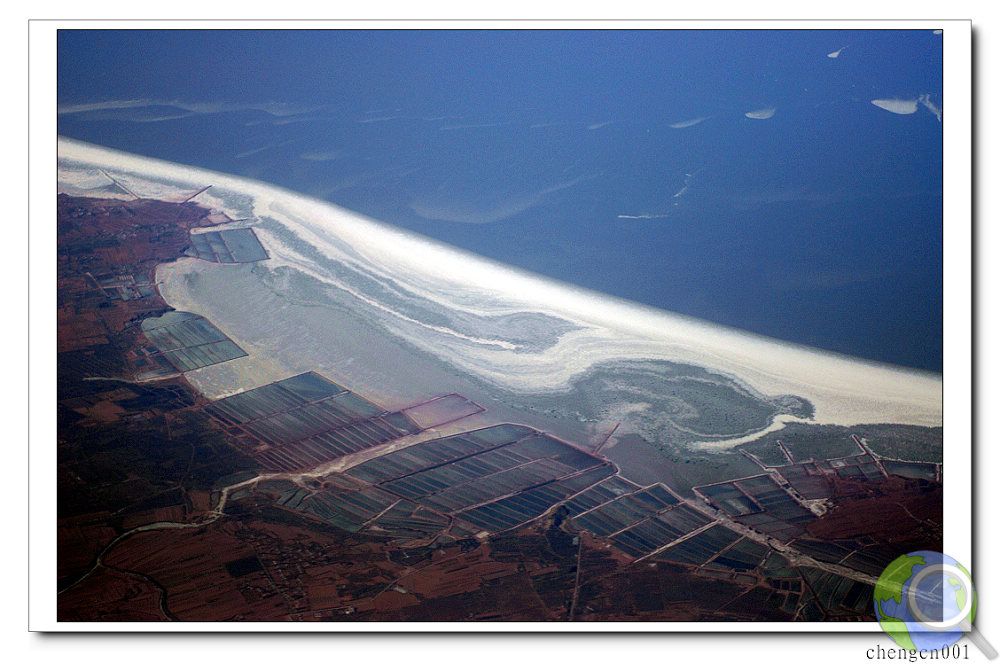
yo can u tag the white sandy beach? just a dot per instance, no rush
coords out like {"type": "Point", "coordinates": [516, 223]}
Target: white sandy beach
{"type": "Point", "coordinates": [843, 390]}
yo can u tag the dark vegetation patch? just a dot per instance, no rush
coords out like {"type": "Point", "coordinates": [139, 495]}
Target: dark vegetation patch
{"type": "Point", "coordinates": [114, 465]}
{"type": "Point", "coordinates": [245, 566]}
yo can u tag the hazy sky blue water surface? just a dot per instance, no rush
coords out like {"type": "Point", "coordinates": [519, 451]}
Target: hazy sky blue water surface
{"type": "Point", "coordinates": [555, 151]}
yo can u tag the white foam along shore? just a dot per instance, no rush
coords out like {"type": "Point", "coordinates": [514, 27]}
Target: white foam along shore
{"type": "Point", "coordinates": [843, 390]}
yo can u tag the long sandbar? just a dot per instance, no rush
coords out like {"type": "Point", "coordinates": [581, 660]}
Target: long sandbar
{"type": "Point", "coordinates": [844, 390]}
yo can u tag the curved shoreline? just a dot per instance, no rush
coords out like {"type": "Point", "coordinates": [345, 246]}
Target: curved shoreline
{"type": "Point", "coordinates": [843, 390]}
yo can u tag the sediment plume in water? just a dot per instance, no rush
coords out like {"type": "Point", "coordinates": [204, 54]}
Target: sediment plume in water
{"type": "Point", "coordinates": [513, 329]}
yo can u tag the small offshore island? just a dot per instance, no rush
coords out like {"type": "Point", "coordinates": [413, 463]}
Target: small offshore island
{"type": "Point", "coordinates": [249, 432]}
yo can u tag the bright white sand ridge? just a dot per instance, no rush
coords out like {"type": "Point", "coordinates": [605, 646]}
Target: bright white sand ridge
{"type": "Point", "coordinates": [896, 106]}
{"type": "Point", "coordinates": [765, 113]}
{"type": "Point", "coordinates": [454, 283]}
{"type": "Point", "coordinates": [688, 123]}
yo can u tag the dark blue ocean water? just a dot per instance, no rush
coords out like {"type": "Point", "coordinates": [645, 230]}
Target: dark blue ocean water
{"type": "Point", "coordinates": [554, 151]}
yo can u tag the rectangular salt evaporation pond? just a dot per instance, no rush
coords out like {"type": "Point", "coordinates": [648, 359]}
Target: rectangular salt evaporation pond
{"type": "Point", "coordinates": [606, 491]}
{"type": "Point", "coordinates": [189, 341]}
{"type": "Point", "coordinates": [702, 547]}
{"type": "Point", "coordinates": [432, 453]}
{"type": "Point", "coordinates": [526, 505]}
{"type": "Point", "coordinates": [494, 478]}
{"type": "Point", "coordinates": [760, 502]}
{"type": "Point", "coordinates": [275, 398]}
{"type": "Point", "coordinates": [917, 470]}
{"type": "Point", "coordinates": [626, 511]}
{"type": "Point", "coordinates": [231, 245]}
{"type": "Point", "coordinates": [487, 475]}
{"type": "Point", "coordinates": [662, 529]}
{"type": "Point", "coordinates": [443, 410]}
{"type": "Point", "coordinates": [408, 520]}
{"type": "Point", "coordinates": [306, 420]}
{"type": "Point", "coordinates": [346, 504]}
